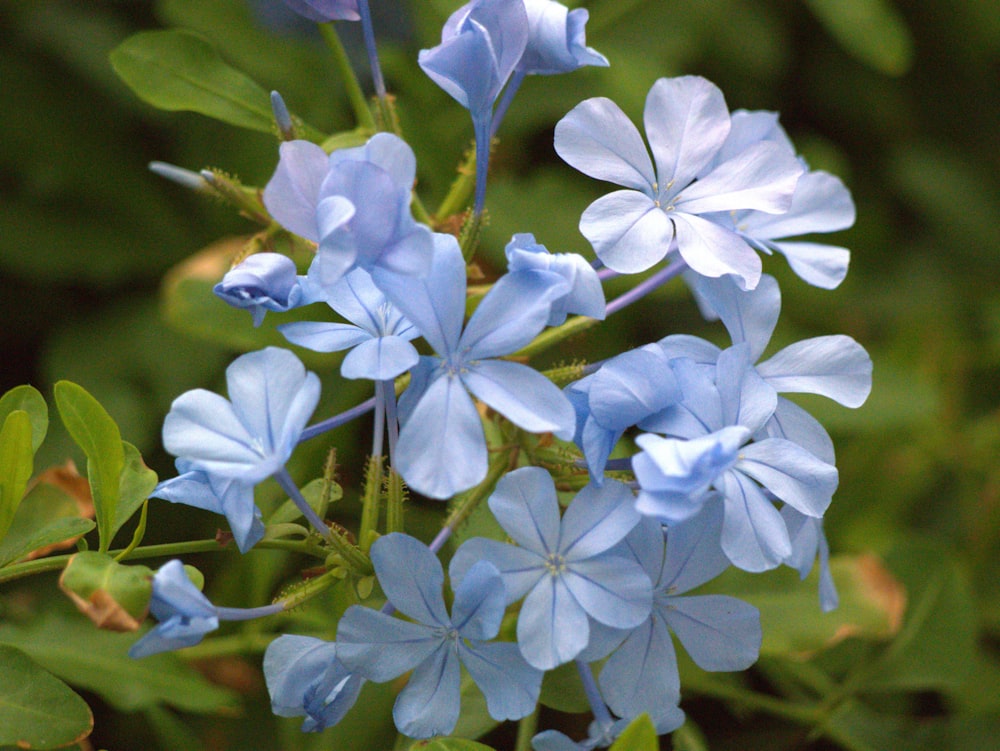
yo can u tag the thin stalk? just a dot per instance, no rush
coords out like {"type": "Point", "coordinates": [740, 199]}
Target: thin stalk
{"type": "Point", "coordinates": [288, 485]}
{"type": "Point", "coordinates": [508, 96]}
{"type": "Point", "coordinates": [467, 501]}
{"type": "Point", "coordinates": [369, 34]}
{"type": "Point", "coordinates": [395, 496]}
{"type": "Point", "coordinates": [481, 129]}
{"type": "Point", "coordinates": [642, 289]}
{"type": "Point", "coordinates": [337, 420]}
{"type": "Point", "coordinates": [461, 189]}
{"type": "Point", "coordinates": [359, 103]}
{"type": "Point", "coordinates": [526, 729]}
{"type": "Point", "coordinates": [370, 501]}
{"type": "Point", "coordinates": [379, 428]}
{"type": "Point", "coordinates": [597, 705]}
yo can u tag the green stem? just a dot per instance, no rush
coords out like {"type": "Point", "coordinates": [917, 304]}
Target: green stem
{"type": "Point", "coordinates": [466, 502]}
{"type": "Point", "coordinates": [395, 495]}
{"type": "Point", "coordinates": [370, 502]}
{"type": "Point", "coordinates": [804, 715]}
{"type": "Point", "coordinates": [551, 337]}
{"type": "Point", "coordinates": [460, 192]}
{"type": "Point", "coordinates": [526, 731]}
{"type": "Point", "coordinates": [249, 642]}
{"type": "Point", "coordinates": [140, 532]}
{"type": "Point", "coordinates": [359, 103]}
{"type": "Point", "coordinates": [165, 550]}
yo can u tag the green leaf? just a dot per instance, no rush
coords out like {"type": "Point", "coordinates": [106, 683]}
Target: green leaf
{"type": "Point", "coordinates": [936, 647]}
{"type": "Point", "coordinates": [28, 399]}
{"type": "Point", "coordinates": [37, 710]}
{"type": "Point", "coordinates": [16, 465]}
{"type": "Point", "coordinates": [135, 484]}
{"type": "Point", "coordinates": [18, 544]}
{"type": "Point", "coordinates": [640, 735]}
{"type": "Point", "coordinates": [97, 434]}
{"type": "Point", "coordinates": [178, 70]}
{"type": "Point", "coordinates": [871, 604]}
{"type": "Point", "coordinates": [563, 691]}
{"type": "Point", "coordinates": [870, 30]}
{"type": "Point", "coordinates": [113, 596]}
{"type": "Point", "coordinates": [858, 727]}
{"type": "Point", "coordinates": [71, 648]}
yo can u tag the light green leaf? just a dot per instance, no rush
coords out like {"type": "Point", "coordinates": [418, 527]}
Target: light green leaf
{"type": "Point", "coordinates": [178, 70]}
{"type": "Point", "coordinates": [640, 735]}
{"type": "Point", "coordinates": [28, 399]}
{"type": "Point", "coordinates": [870, 30]}
{"type": "Point", "coordinates": [71, 648]}
{"type": "Point", "coordinates": [113, 596]}
{"type": "Point", "coordinates": [37, 710]}
{"type": "Point", "coordinates": [97, 434]}
{"type": "Point", "coordinates": [16, 465]}
{"type": "Point", "coordinates": [313, 493]}
{"type": "Point", "coordinates": [135, 484]}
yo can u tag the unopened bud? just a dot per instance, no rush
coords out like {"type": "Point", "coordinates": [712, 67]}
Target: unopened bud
{"type": "Point", "coordinates": [282, 117]}
{"type": "Point", "coordinates": [181, 176]}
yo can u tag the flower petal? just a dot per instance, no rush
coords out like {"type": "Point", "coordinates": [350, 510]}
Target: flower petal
{"type": "Point", "coordinates": [596, 520]}
{"type": "Point", "coordinates": [612, 589]}
{"type": "Point", "coordinates": [380, 647]}
{"type": "Point", "coordinates": [524, 396]}
{"type": "Point", "coordinates": [293, 191]}
{"type": "Point", "coordinates": [719, 632]}
{"type": "Point", "coordinates": [629, 232]}
{"type": "Point", "coordinates": [510, 685]}
{"type": "Point", "coordinates": [836, 367]}
{"type": "Point", "coordinates": [429, 705]}
{"type": "Point", "coordinates": [552, 628]}
{"type": "Point", "coordinates": [411, 577]}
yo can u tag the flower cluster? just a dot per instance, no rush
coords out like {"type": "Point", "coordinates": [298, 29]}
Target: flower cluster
{"type": "Point", "coordinates": [720, 468]}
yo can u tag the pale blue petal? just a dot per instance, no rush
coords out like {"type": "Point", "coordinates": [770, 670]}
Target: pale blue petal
{"type": "Point", "coordinates": [293, 191]}
{"type": "Point", "coordinates": [754, 536]}
{"type": "Point", "coordinates": [821, 203]}
{"type": "Point", "coordinates": [522, 395]}
{"type": "Point", "coordinates": [763, 177]}
{"type": "Point", "coordinates": [240, 511]}
{"type": "Point", "coordinates": [712, 250]}
{"type": "Point", "coordinates": [631, 387]}
{"type": "Point", "coordinates": [641, 675]}
{"type": "Point", "coordinates": [694, 554]}
{"type": "Point", "coordinates": [793, 423]}
{"type": "Point", "coordinates": [380, 359]}
{"type": "Point", "coordinates": [320, 336]}
{"type": "Point", "coordinates": [429, 705]}
{"type": "Point", "coordinates": [466, 67]}
{"type": "Point", "coordinates": [597, 443]}
{"type": "Point", "coordinates": [791, 473]}
{"type": "Point", "coordinates": [603, 641]}
{"type": "Point", "coordinates": [556, 43]}
{"type": "Point", "coordinates": [629, 232]}
{"type": "Point", "coordinates": [326, 10]}
{"type": "Point", "coordinates": [808, 541]}
{"type": "Point", "coordinates": [519, 568]}
{"type": "Point", "coordinates": [426, 371]}
{"type": "Point", "coordinates": [392, 154]}
{"type": "Point", "coordinates": [552, 628]}
{"type": "Point", "coordinates": [719, 632]}
{"type": "Point", "coordinates": [435, 304]}
{"type": "Point", "coordinates": [441, 449]}
{"type": "Point", "coordinates": [823, 266]}
{"type": "Point", "coordinates": [596, 520]}
{"type": "Point", "coordinates": [747, 399]}
{"type": "Point", "coordinates": [525, 505]}
{"type": "Point", "coordinates": [513, 313]}
{"type": "Point", "coordinates": [411, 254]}
{"type": "Point", "coordinates": [612, 589]}
{"type": "Point", "coordinates": [380, 647]}
{"type": "Point", "coordinates": [480, 601]}
{"type": "Point", "coordinates": [686, 121]}
{"type": "Point", "coordinates": [599, 140]}
{"type": "Point", "coordinates": [357, 299]}
{"type": "Point", "coordinates": [510, 685]}
{"type": "Point", "coordinates": [749, 316]}
{"type": "Point", "coordinates": [411, 577]}
{"type": "Point", "coordinates": [836, 367]}
{"type": "Point", "coordinates": [553, 740]}
{"type": "Point", "coordinates": [690, 347]}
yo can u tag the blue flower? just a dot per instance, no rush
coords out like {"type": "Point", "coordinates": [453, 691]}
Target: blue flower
{"type": "Point", "coordinates": [355, 203]}
{"type": "Point", "coordinates": [481, 43]}
{"type": "Point", "coordinates": [564, 568]}
{"type": "Point", "coordinates": [304, 677]}
{"type": "Point", "coordinates": [441, 449]}
{"type": "Point", "coordinates": [185, 615]}
{"type": "Point", "coordinates": [556, 40]}
{"type": "Point", "coordinates": [262, 282]}
{"type": "Point", "coordinates": [380, 647]}
{"type": "Point", "coordinates": [321, 11]}
{"type": "Point", "coordinates": [754, 535]}
{"type": "Point", "coordinates": [231, 498]}
{"type": "Point", "coordinates": [687, 122]}
{"type": "Point", "coordinates": [379, 339]}
{"type": "Point", "coordinates": [250, 436]}
{"type": "Point", "coordinates": [719, 632]}
{"type": "Point", "coordinates": [585, 295]}
{"type": "Point", "coordinates": [808, 544]}
{"type": "Point", "coordinates": [821, 203]}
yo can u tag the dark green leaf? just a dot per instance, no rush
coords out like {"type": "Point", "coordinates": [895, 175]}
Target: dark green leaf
{"type": "Point", "coordinates": [28, 399]}
{"type": "Point", "coordinates": [37, 710]}
{"type": "Point", "coordinates": [870, 30]}
{"type": "Point", "coordinates": [97, 434]}
{"type": "Point", "coordinates": [71, 648]}
{"type": "Point", "coordinates": [178, 70]}
{"type": "Point", "coordinates": [450, 744]}
{"type": "Point", "coordinates": [562, 690]}
{"type": "Point", "coordinates": [19, 543]}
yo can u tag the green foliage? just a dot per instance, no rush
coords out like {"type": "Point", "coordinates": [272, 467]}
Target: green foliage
{"type": "Point", "coordinates": [37, 710]}
{"type": "Point", "coordinates": [179, 70]}
{"type": "Point", "coordinates": [27, 399]}
{"type": "Point", "coordinates": [16, 456]}
{"type": "Point", "coordinates": [113, 596]}
{"type": "Point", "coordinates": [871, 30]}
{"type": "Point", "coordinates": [97, 434]}
{"type": "Point", "coordinates": [640, 735]}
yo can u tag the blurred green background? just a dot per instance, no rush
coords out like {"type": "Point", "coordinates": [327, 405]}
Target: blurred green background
{"type": "Point", "coordinates": [900, 99]}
